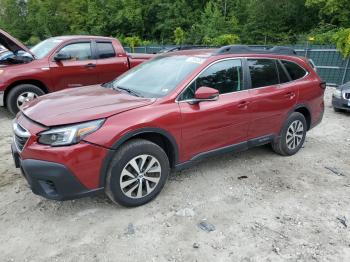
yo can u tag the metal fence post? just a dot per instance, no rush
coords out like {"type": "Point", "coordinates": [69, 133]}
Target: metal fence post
{"type": "Point", "coordinates": [345, 70]}
{"type": "Point", "coordinates": [307, 48]}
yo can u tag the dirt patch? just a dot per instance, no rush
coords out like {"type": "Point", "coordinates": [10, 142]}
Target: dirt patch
{"type": "Point", "coordinates": [261, 206]}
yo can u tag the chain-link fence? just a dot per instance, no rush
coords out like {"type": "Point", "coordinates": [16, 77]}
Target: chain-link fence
{"type": "Point", "coordinates": [330, 64]}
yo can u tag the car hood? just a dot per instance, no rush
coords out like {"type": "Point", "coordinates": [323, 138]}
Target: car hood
{"type": "Point", "coordinates": [12, 44]}
{"type": "Point", "coordinates": [80, 105]}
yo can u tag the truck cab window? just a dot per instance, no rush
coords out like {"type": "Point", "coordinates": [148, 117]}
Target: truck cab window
{"type": "Point", "coordinates": [78, 51]}
{"type": "Point", "coordinates": [105, 50]}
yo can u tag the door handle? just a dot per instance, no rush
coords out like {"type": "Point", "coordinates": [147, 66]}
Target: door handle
{"type": "Point", "coordinates": [90, 65]}
{"type": "Point", "coordinates": [243, 105]}
{"type": "Point", "coordinates": [290, 95]}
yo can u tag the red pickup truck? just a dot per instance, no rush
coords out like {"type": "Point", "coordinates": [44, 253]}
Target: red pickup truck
{"type": "Point", "coordinates": [58, 63]}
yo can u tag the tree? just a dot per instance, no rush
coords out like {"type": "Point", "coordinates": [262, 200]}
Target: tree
{"type": "Point", "coordinates": [212, 23]}
{"type": "Point", "coordinates": [342, 40]}
{"type": "Point", "coordinates": [179, 35]}
{"type": "Point", "coordinates": [335, 23]}
{"type": "Point", "coordinates": [13, 18]}
{"type": "Point", "coordinates": [132, 42]}
{"type": "Point", "coordinates": [335, 12]}
{"type": "Point", "coordinates": [204, 21]}
{"type": "Point", "coordinates": [277, 22]}
{"type": "Point", "coordinates": [225, 39]}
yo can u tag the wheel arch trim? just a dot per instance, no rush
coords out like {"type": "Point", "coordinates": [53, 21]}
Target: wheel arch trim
{"type": "Point", "coordinates": [303, 106]}
{"type": "Point", "coordinates": [130, 135]}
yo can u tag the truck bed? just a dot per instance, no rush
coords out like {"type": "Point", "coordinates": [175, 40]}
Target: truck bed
{"type": "Point", "coordinates": [138, 58]}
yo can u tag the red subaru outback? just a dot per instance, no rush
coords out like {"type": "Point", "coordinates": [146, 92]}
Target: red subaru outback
{"type": "Point", "coordinates": [124, 137]}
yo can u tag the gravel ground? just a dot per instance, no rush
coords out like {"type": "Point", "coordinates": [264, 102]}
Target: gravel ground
{"type": "Point", "coordinates": [260, 206]}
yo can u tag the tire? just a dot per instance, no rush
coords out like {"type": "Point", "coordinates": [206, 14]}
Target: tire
{"type": "Point", "coordinates": [281, 146]}
{"type": "Point", "coordinates": [24, 90]}
{"type": "Point", "coordinates": [142, 153]}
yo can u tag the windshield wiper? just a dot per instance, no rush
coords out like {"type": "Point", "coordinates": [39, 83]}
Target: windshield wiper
{"type": "Point", "coordinates": [130, 91]}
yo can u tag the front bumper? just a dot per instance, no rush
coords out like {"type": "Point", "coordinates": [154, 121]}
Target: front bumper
{"type": "Point", "coordinates": [340, 103]}
{"type": "Point", "coordinates": [51, 180]}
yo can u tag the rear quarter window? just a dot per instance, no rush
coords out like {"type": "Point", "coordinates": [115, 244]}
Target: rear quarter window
{"type": "Point", "coordinates": [295, 71]}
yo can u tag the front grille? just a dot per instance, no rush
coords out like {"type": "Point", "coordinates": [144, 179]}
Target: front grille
{"type": "Point", "coordinates": [347, 96]}
{"type": "Point", "coordinates": [21, 136]}
{"type": "Point", "coordinates": [20, 142]}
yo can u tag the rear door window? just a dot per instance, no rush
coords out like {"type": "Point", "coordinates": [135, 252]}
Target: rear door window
{"type": "Point", "coordinates": [263, 72]}
{"type": "Point", "coordinates": [294, 70]}
{"type": "Point", "coordinates": [105, 50]}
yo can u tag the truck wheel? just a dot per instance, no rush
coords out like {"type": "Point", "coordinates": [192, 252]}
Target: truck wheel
{"type": "Point", "coordinates": [137, 173]}
{"type": "Point", "coordinates": [21, 94]}
{"type": "Point", "coordinates": [292, 136]}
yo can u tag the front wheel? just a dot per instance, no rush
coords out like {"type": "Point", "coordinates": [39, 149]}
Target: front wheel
{"type": "Point", "coordinates": [292, 136]}
{"type": "Point", "coordinates": [137, 173]}
{"type": "Point", "coordinates": [21, 94]}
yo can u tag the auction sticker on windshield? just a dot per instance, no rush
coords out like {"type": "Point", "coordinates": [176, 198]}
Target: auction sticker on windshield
{"type": "Point", "coordinates": [196, 60]}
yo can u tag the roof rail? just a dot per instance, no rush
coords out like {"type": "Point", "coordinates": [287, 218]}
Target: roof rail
{"type": "Point", "coordinates": [244, 49]}
{"type": "Point", "coordinates": [184, 47]}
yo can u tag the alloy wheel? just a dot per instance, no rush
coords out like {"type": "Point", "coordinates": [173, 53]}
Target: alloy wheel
{"type": "Point", "coordinates": [25, 97]}
{"type": "Point", "coordinates": [140, 176]}
{"type": "Point", "coordinates": [295, 134]}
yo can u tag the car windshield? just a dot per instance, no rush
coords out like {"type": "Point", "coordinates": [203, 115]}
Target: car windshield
{"type": "Point", "coordinates": [43, 48]}
{"type": "Point", "coordinates": [5, 54]}
{"type": "Point", "coordinates": [159, 76]}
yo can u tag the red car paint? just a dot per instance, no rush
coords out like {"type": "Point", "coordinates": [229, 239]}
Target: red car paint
{"type": "Point", "coordinates": [51, 75]}
{"type": "Point", "coordinates": [196, 128]}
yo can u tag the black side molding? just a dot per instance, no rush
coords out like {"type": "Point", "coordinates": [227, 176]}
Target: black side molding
{"type": "Point", "coordinates": [231, 148]}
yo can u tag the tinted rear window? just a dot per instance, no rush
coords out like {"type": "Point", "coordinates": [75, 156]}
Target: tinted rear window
{"type": "Point", "coordinates": [263, 72]}
{"type": "Point", "coordinates": [105, 50]}
{"type": "Point", "coordinates": [294, 70]}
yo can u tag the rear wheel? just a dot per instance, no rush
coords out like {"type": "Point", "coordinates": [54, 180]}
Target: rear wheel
{"type": "Point", "coordinates": [137, 173]}
{"type": "Point", "coordinates": [292, 136]}
{"type": "Point", "coordinates": [21, 94]}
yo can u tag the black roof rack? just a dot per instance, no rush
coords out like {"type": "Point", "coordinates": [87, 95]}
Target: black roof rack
{"type": "Point", "coordinates": [184, 47]}
{"type": "Point", "coordinates": [244, 49]}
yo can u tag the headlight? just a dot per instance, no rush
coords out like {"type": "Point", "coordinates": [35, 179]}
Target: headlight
{"type": "Point", "coordinates": [337, 93]}
{"type": "Point", "coordinates": [1, 71]}
{"type": "Point", "coordinates": [69, 135]}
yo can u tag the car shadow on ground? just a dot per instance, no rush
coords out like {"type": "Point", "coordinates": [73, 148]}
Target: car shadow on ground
{"type": "Point", "coordinates": [343, 112]}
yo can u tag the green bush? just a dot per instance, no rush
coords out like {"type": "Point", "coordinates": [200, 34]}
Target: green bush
{"type": "Point", "coordinates": [225, 39]}
{"type": "Point", "coordinates": [179, 35]}
{"type": "Point", "coordinates": [342, 40]}
{"type": "Point", "coordinates": [132, 42]}
{"type": "Point", "coordinates": [33, 40]}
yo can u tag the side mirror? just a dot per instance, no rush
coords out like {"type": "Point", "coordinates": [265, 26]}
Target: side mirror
{"type": "Point", "coordinates": [60, 56]}
{"type": "Point", "coordinates": [206, 94]}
